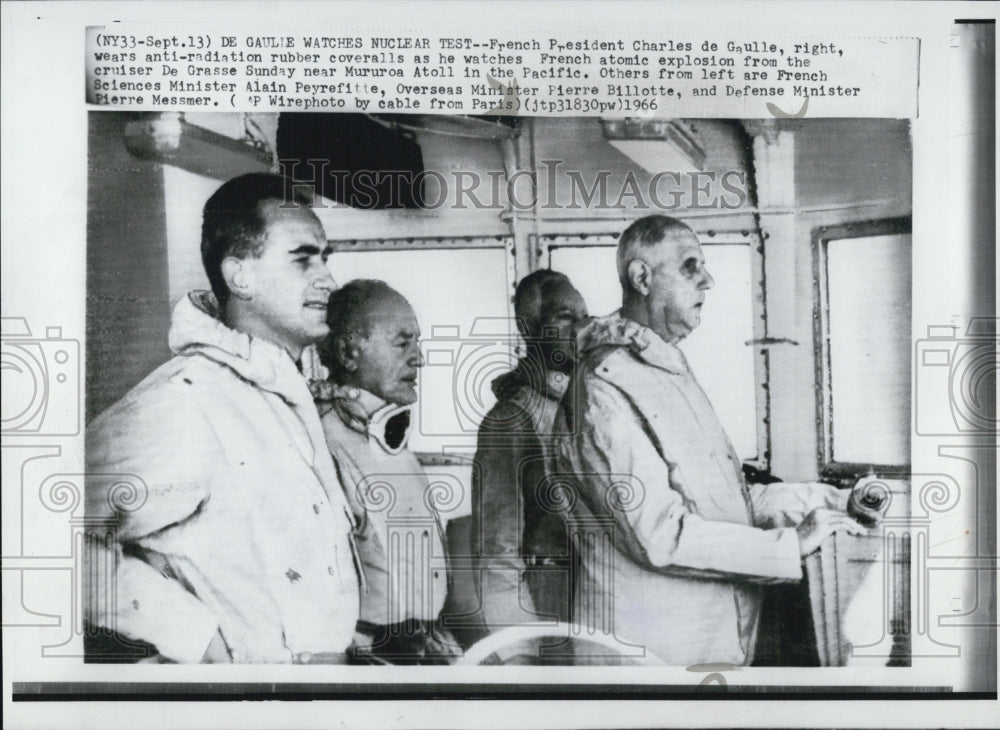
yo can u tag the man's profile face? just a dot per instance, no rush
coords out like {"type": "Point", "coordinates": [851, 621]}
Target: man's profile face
{"type": "Point", "coordinates": [291, 282]}
{"type": "Point", "coordinates": [678, 285]}
{"type": "Point", "coordinates": [562, 307]}
{"type": "Point", "coordinates": [389, 357]}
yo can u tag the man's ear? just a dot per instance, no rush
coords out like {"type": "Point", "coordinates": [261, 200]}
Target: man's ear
{"type": "Point", "coordinates": [238, 277]}
{"type": "Point", "coordinates": [345, 349]}
{"type": "Point", "coordinates": [639, 275]}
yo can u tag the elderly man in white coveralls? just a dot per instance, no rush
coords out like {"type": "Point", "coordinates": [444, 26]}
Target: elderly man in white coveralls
{"type": "Point", "coordinates": [373, 355]}
{"type": "Point", "coordinates": [674, 545]}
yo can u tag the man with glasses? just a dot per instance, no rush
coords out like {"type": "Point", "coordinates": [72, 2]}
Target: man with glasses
{"type": "Point", "coordinates": [373, 356]}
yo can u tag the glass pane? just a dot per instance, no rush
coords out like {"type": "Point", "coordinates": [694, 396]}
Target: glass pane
{"type": "Point", "coordinates": [461, 300]}
{"type": "Point", "coordinates": [868, 283]}
{"type": "Point", "coordinates": [592, 269]}
{"type": "Point", "coordinates": [717, 350]}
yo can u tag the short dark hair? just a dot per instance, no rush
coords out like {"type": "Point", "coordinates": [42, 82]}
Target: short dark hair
{"type": "Point", "coordinates": [346, 315]}
{"type": "Point", "coordinates": [645, 233]}
{"type": "Point", "coordinates": [234, 223]}
{"type": "Point", "coordinates": [528, 298]}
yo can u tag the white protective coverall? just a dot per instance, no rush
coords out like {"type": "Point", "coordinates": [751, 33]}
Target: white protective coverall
{"type": "Point", "coordinates": [222, 507]}
{"type": "Point", "coordinates": [673, 554]}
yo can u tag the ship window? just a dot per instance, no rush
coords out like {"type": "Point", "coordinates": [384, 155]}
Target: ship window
{"type": "Point", "coordinates": [865, 296]}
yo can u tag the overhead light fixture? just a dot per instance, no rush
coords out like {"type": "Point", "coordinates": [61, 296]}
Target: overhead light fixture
{"type": "Point", "coordinates": [657, 145]}
{"type": "Point", "coordinates": [168, 139]}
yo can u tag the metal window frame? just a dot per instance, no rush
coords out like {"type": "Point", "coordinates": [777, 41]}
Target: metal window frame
{"type": "Point", "coordinates": [822, 236]}
{"type": "Point", "coordinates": [422, 243]}
{"type": "Point", "coordinates": [544, 244]}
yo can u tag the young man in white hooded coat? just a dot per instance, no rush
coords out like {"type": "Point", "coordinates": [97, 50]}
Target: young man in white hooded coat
{"type": "Point", "coordinates": [219, 529]}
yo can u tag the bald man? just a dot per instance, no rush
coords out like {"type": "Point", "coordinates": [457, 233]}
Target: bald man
{"type": "Point", "coordinates": [523, 568]}
{"type": "Point", "coordinates": [674, 546]}
{"type": "Point", "coordinates": [373, 355]}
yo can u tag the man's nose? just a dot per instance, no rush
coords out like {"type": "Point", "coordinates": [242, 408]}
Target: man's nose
{"type": "Point", "coordinates": [418, 358]}
{"type": "Point", "coordinates": [324, 280]}
{"type": "Point", "coordinates": [707, 282]}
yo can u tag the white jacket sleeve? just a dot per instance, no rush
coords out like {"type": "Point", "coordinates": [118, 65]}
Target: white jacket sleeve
{"type": "Point", "coordinates": [620, 474]}
{"type": "Point", "coordinates": [786, 504]}
{"type": "Point", "coordinates": [143, 477]}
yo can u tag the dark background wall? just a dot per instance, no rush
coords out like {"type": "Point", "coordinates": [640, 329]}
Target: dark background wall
{"type": "Point", "coordinates": [128, 309]}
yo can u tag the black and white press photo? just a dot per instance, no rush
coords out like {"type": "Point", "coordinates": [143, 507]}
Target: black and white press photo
{"type": "Point", "coordinates": [570, 390]}
{"type": "Point", "coordinates": [591, 364]}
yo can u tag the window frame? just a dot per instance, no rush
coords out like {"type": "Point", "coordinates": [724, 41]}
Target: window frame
{"type": "Point", "coordinates": [543, 245]}
{"type": "Point", "coordinates": [822, 236]}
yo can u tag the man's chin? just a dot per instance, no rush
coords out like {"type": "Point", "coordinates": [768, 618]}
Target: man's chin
{"type": "Point", "coordinates": [405, 396]}
{"type": "Point", "coordinates": [317, 332]}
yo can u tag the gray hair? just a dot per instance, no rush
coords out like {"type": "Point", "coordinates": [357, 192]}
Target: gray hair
{"type": "Point", "coordinates": [641, 236]}
{"type": "Point", "coordinates": [347, 316]}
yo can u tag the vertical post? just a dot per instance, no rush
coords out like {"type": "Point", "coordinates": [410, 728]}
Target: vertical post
{"type": "Point", "coordinates": [522, 203]}
{"type": "Point", "coordinates": [972, 147]}
{"type": "Point", "coordinates": [786, 278]}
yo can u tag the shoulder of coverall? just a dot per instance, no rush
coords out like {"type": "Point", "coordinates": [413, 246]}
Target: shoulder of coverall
{"type": "Point", "coordinates": [509, 416]}
{"type": "Point", "coordinates": [609, 349]}
{"type": "Point", "coordinates": [599, 337]}
{"type": "Point", "coordinates": [196, 329]}
{"type": "Point", "coordinates": [506, 385]}
{"type": "Point", "coordinates": [208, 355]}
{"type": "Point", "coordinates": [516, 392]}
